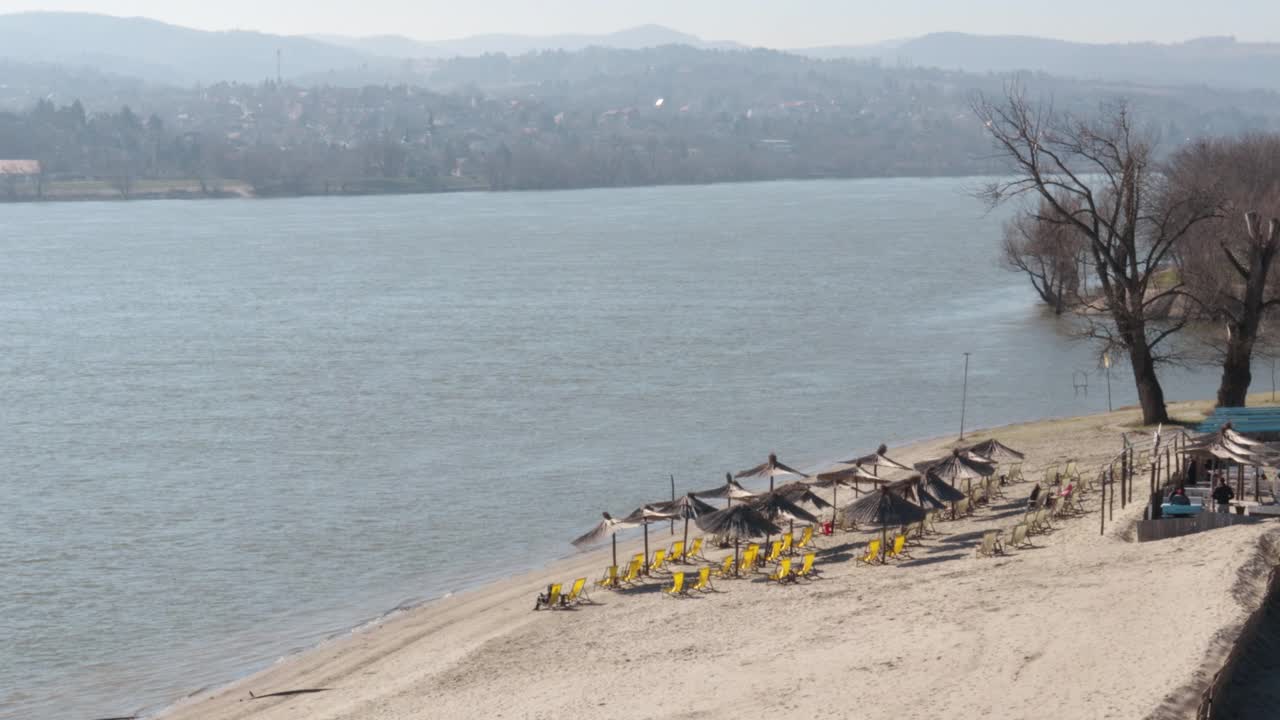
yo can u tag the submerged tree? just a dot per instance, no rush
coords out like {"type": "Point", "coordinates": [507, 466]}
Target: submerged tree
{"type": "Point", "coordinates": [1098, 176]}
{"type": "Point", "coordinates": [1226, 263]}
{"type": "Point", "coordinates": [1048, 252]}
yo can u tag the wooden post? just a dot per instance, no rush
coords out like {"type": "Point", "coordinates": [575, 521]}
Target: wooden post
{"type": "Point", "coordinates": [1240, 481]}
{"type": "Point", "coordinates": [1155, 470]}
{"type": "Point", "coordinates": [1102, 507]}
{"type": "Point", "coordinates": [1113, 493]}
{"type": "Point", "coordinates": [1124, 475]}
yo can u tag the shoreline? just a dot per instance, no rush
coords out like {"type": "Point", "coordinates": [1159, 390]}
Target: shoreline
{"type": "Point", "coordinates": [470, 620]}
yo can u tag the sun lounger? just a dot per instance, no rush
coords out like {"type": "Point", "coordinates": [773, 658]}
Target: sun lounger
{"type": "Point", "coordinates": [788, 540]}
{"type": "Point", "coordinates": [807, 570]}
{"type": "Point", "coordinates": [610, 579]}
{"type": "Point", "coordinates": [898, 550]}
{"type": "Point", "coordinates": [806, 538]}
{"type": "Point", "coordinates": [775, 551]}
{"type": "Point", "coordinates": [726, 567]}
{"type": "Point", "coordinates": [930, 522]}
{"type": "Point", "coordinates": [783, 573]}
{"type": "Point", "coordinates": [659, 559]}
{"type": "Point", "coordinates": [695, 550]}
{"type": "Point", "coordinates": [704, 581]}
{"type": "Point", "coordinates": [578, 593]}
{"type": "Point", "coordinates": [749, 558]}
{"type": "Point", "coordinates": [990, 544]}
{"type": "Point", "coordinates": [677, 585]}
{"type": "Point", "coordinates": [676, 553]}
{"type": "Point", "coordinates": [960, 509]}
{"type": "Point", "coordinates": [1072, 472]}
{"type": "Point", "coordinates": [1019, 538]}
{"type": "Point", "coordinates": [1015, 473]}
{"type": "Point", "coordinates": [873, 553]}
{"type": "Point", "coordinates": [1051, 473]}
{"type": "Point", "coordinates": [549, 600]}
{"type": "Point", "coordinates": [634, 571]}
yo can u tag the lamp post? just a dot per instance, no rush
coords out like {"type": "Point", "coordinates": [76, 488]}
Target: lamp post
{"type": "Point", "coordinates": [964, 394]}
{"type": "Point", "coordinates": [1106, 363]}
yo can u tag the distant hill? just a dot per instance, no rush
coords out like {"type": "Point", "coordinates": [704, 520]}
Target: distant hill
{"type": "Point", "coordinates": [644, 36]}
{"type": "Point", "coordinates": [1217, 61]}
{"type": "Point", "coordinates": [162, 53]}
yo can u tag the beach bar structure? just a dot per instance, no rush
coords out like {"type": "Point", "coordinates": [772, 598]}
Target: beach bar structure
{"type": "Point", "coordinates": [1227, 449]}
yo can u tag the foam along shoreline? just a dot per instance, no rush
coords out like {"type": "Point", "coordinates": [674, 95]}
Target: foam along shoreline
{"type": "Point", "coordinates": [1083, 625]}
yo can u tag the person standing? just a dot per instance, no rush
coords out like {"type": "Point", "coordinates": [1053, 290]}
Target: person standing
{"type": "Point", "coordinates": [1222, 495]}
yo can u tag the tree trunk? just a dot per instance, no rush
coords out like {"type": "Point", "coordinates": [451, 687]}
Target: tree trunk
{"type": "Point", "coordinates": [1236, 373]}
{"type": "Point", "coordinates": [1150, 394]}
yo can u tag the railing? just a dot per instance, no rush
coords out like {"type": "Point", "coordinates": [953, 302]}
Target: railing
{"type": "Point", "coordinates": [1119, 476]}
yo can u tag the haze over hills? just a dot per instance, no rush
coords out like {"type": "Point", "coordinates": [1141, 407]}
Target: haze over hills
{"type": "Point", "coordinates": [644, 36]}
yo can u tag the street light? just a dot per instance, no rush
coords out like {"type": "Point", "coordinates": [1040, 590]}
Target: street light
{"type": "Point", "coordinates": [964, 394]}
{"type": "Point", "coordinates": [1106, 363]}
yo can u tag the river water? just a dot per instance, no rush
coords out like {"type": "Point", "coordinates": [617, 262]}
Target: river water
{"type": "Point", "coordinates": [234, 428]}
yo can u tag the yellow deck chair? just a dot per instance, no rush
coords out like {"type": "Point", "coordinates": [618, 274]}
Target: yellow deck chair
{"type": "Point", "coordinates": [610, 579]}
{"type": "Point", "coordinates": [676, 554]}
{"type": "Point", "coordinates": [577, 593]}
{"type": "Point", "coordinates": [552, 601]}
{"type": "Point", "coordinates": [806, 538]}
{"type": "Point", "coordinates": [704, 581]}
{"type": "Point", "coordinates": [659, 559]}
{"type": "Point", "coordinates": [726, 567]}
{"type": "Point", "coordinates": [873, 552]}
{"type": "Point", "coordinates": [775, 551]}
{"type": "Point", "coordinates": [695, 550]}
{"type": "Point", "coordinates": [633, 572]}
{"type": "Point", "coordinates": [783, 573]}
{"type": "Point", "coordinates": [749, 558]}
{"type": "Point", "coordinates": [899, 549]}
{"type": "Point", "coordinates": [787, 541]}
{"type": "Point", "coordinates": [807, 570]}
{"type": "Point", "coordinates": [677, 585]}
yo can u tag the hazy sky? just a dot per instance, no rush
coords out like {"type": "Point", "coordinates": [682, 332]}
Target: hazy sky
{"type": "Point", "coordinates": [773, 23]}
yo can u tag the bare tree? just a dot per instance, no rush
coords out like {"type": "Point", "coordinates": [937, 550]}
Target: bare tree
{"type": "Point", "coordinates": [1225, 263]}
{"type": "Point", "coordinates": [1106, 166]}
{"type": "Point", "coordinates": [1048, 253]}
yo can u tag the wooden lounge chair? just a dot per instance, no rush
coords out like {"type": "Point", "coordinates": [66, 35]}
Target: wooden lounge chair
{"type": "Point", "coordinates": [704, 580]}
{"type": "Point", "coordinates": [775, 551]}
{"type": "Point", "coordinates": [1072, 472]}
{"type": "Point", "coordinates": [695, 551]}
{"type": "Point", "coordinates": [550, 600]}
{"type": "Point", "coordinates": [960, 509]}
{"type": "Point", "coordinates": [806, 538]}
{"type": "Point", "coordinates": [1042, 519]}
{"type": "Point", "coordinates": [577, 593]}
{"type": "Point", "coordinates": [1018, 538]}
{"type": "Point", "coordinates": [659, 559]}
{"type": "Point", "coordinates": [726, 567]}
{"type": "Point", "coordinates": [899, 549]}
{"type": "Point", "coordinates": [676, 553]}
{"type": "Point", "coordinates": [677, 585]}
{"type": "Point", "coordinates": [873, 553]}
{"type": "Point", "coordinates": [807, 570]}
{"type": "Point", "coordinates": [634, 571]}
{"type": "Point", "coordinates": [990, 544]}
{"type": "Point", "coordinates": [1015, 473]}
{"type": "Point", "coordinates": [610, 579]}
{"type": "Point", "coordinates": [783, 573]}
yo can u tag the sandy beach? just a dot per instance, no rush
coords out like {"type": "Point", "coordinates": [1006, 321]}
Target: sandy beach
{"type": "Point", "coordinates": [1083, 625]}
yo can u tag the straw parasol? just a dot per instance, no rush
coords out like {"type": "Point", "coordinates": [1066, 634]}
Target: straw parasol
{"type": "Point", "coordinates": [606, 528]}
{"type": "Point", "coordinates": [996, 451]}
{"type": "Point", "coordinates": [848, 476]}
{"type": "Point", "coordinates": [775, 506]}
{"type": "Point", "coordinates": [740, 522]}
{"type": "Point", "coordinates": [800, 492]}
{"type": "Point", "coordinates": [877, 460]}
{"type": "Point", "coordinates": [730, 491]}
{"type": "Point", "coordinates": [886, 508]}
{"type": "Point", "coordinates": [955, 467]}
{"type": "Point", "coordinates": [771, 469]}
{"type": "Point", "coordinates": [687, 507]}
{"type": "Point", "coordinates": [646, 515]}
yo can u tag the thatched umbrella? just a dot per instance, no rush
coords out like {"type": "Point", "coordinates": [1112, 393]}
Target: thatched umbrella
{"type": "Point", "coordinates": [646, 515]}
{"type": "Point", "coordinates": [955, 467]}
{"type": "Point", "coordinates": [687, 507]}
{"type": "Point", "coordinates": [801, 492]}
{"type": "Point", "coordinates": [740, 522]}
{"type": "Point", "coordinates": [606, 528]}
{"type": "Point", "coordinates": [996, 451]}
{"type": "Point", "coordinates": [771, 469]}
{"type": "Point", "coordinates": [848, 476]}
{"type": "Point", "coordinates": [730, 491]}
{"type": "Point", "coordinates": [776, 506]}
{"type": "Point", "coordinates": [886, 508]}
{"type": "Point", "coordinates": [877, 460]}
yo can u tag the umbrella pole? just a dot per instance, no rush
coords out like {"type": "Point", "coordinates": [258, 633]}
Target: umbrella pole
{"type": "Point", "coordinates": [673, 502]}
{"type": "Point", "coordinates": [615, 549]}
{"type": "Point", "coordinates": [737, 571]}
{"type": "Point", "coordinates": [686, 534]}
{"type": "Point", "coordinates": [646, 548]}
{"type": "Point", "coordinates": [884, 539]}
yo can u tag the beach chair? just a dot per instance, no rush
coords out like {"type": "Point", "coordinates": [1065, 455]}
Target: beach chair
{"type": "Point", "coordinates": [915, 533]}
{"type": "Point", "coordinates": [960, 509]}
{"type": "Point", "coordinates": [659, 559]}
{"type": "Point", "coordinates": [1019, 538]}
{"type": "Point", "coordinates": [899, 549]}
{"type": "Point", "coordinates": [783, 573]}
{"type": "Point", "coordinates": [1015, 473]}
{"type": "Point", "coordinates": [873, 553]}
{"type": "Point", "coordinates": [577, 593]}
{"type": "Point", "coordinates": [749, 559]}
{"type": "Point", "coordinates": [704, 580]}
{"type": "Point", "coordinates": [1072, 472]}
{"type": "Point", "coordinates": [634, 571]}
{"type": "Point", "coordinates": [787, 541]}
{"type": "Point", "coordinates": [807, 570]}
{"type": "Point", "coordinates": [610, 579]}
{"type": "Point", "coordinates": [695, 550]}
{"type": "Point", "coordinates": [676, 553]}
{"type": "Point", "coordinates": [1042, 520]}
{"type": "Point", "coordinates": [726, 567]}
{"type": "Point", "coordinates": [806, 538]}
{"type": "Point", "coordinates": [1051, 474]}
{"type": "Point", "coordinates": [549, 600]}
{"type": "Point", "coordinates": [930, 522]}
{"type": "Point", "coordinates": [990, 544]}
{"type": "Point", "coordinates": [775, 551]}
{"type": "Point", "coordinates": [677, 585]}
